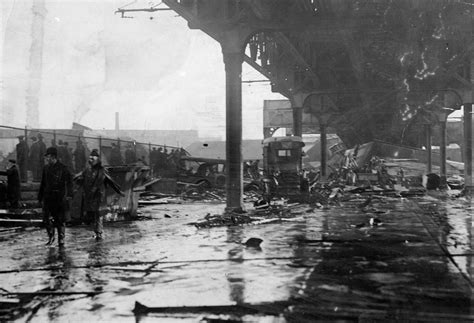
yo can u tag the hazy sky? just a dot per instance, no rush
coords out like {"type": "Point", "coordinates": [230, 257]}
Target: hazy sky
{"type": "Point", "coordinates": [157, 73]}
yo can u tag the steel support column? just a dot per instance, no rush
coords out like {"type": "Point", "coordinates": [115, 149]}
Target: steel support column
{"type": "Point", "coordinates": [233, 59]}
{"type": "Point", "coordinates": [468, 146]}
{"type": "Point", "coordinates": [429, 162]}
{"type": "Point", "coordinates": [297, 121]}
{"type": "Point", "coordinates": [442, 154]}
{"type": "Point", "coordinates": [324, 119]}
{"type": "Point", "coordinates": [468, 134]}
{"type": "Point", "coordinates": [297, 101]}
{"type": "Point", "coordinates": [324, 144]}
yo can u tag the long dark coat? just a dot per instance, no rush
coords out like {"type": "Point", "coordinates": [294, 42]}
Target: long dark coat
{"type": "Point", "coordinates": [36, 161]}
{"type": "Point", "coordinates": [94, 180]}
{"type": "Point", "coordinates": [130, 156]}
{"type": "Point", "coordinates": [13, 185]}
{"type": "Point", "coordinates": [80, 157]}
{"type": "Point", "coordinates": [56, 185]}
{"type": "Point", "coordinates": [22, 157]}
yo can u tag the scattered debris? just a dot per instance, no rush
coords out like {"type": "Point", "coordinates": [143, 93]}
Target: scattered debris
{"type": "Point", "coordinates": [360, 225]}
{"type": "Point", "coordinates": [227, 219]}
{"type": "Point", "coordinates": [261, 204]}
{"type": "Point", "coordinates": [366, 202]}
{"type": "Point", "coordinates": [253, 243]}
{"type": "Point", "coordinates": [154, 201]}
{"type": "Point", "coordinates": [455, 182]}
{"type": "Point", "coordinates": [374, 222]}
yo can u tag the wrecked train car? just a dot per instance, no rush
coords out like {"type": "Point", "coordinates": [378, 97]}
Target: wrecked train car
{"type": "Point", "coordinates": [282, 160]}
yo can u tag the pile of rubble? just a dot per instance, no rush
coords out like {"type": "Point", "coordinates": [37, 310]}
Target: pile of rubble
{"type": "Point", "coordinates": [226, 219]}
{"type": "Point", "coordinates": [277, 211]}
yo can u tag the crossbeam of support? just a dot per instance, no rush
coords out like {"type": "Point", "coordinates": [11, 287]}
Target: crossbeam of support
{"type": "Point", "coordinates": [265, 73]}
{"type": "Point", "coordinates": [191, 18]}
{"type": "Point", "coordinates": [282, 39]}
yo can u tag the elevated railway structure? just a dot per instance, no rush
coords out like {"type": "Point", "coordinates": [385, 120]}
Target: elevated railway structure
{"type": "Point", "coordinates": [367, 68]}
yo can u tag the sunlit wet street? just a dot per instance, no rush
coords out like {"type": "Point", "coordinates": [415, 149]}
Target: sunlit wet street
{"type": "Point", "coordinates": [398, 259]}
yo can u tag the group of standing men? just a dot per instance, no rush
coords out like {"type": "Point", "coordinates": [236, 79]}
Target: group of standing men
{"type": "Point", "coordinates": [116, 155]}
{"type": "Point", "coordinates": [32, 157]}
{"type": "Point", "coordinates": [52, 167]}
{"type": "Point", "coordinates": [74, 160]}
{"type": "Point", "coordinates": [56, 184]}
{"type": "Point", "coordinates": [164, 163]}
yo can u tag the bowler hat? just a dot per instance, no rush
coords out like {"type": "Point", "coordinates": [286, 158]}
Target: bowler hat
{"type": "Point", "coordinates": [53, 151]}
{"type": "Point", "coordinates": [21, 137]}
{"type": "Point", "coordinates": [94, 152]}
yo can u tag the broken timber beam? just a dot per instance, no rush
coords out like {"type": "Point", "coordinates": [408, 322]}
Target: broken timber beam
{"type": "Point", "coordinates": [274, 308]}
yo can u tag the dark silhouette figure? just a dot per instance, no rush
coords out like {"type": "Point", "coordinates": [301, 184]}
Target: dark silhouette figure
{"type": "Point", "coordinates": [62, 152]}
{"type": "Point", "coordinates": [153, 160]}
{"type": "Point", "coordinates": [22, 158]}
{"type": "Point", "coordinates": [130, 156]}
{"type": "Point", "coordinates": [68, 156]}
{"type": "Point", "coordinates": [115, 156]}
{"type": "Point", "coordinates": [36, 162]}
{"type": "Point", "coordinates": [159, 165]}
{"type": "Point", "coordinates": [94, 180]}
{"type": "Point", "coordinates": [54, 194]}
{"type": "Point", "coordinates": [79, 156]}
{"type": "Point", "coordinates": [41, 150]}
{"type": "Point", "coordinates": [13, 183]}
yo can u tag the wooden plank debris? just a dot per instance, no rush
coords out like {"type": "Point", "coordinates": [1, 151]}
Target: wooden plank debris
{"type": "Point", "coordinates": [274, 308]}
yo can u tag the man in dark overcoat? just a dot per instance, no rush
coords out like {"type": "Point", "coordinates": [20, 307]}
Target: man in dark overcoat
{"type": "Point", "coordinates": [61, 152]}
{"type": "Point", "coordinates": [94, 179]}
{"type": "Point", "coordinates": [68, 156]}
{"type": "Point", "coordinates": [22, 158]}
{"type": "Point", "coordinates": [80, 156]}
{"type": "Point", "coordinates": [34, 159]}
{"type": "Point", "coordinates": [13, 183]}
{"type": "Point", "coordinates": [42, 145]}
{"type": "Point", "coordinates": [130, 156]}
{"type": "Point", "coordinates": [115, 156]}
{"type": "Point", "coordinates": [55, 193]}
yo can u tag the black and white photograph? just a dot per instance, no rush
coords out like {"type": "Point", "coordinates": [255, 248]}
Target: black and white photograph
{"type": "Point", "coordinates": [264, 161]}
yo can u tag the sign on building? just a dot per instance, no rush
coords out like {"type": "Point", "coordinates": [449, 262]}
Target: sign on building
{"type": "Point", "coordinates": [279, 114]}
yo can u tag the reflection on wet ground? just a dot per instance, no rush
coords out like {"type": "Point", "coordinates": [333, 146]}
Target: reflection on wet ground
{"type": "Point", "coordinates": [398, 259]}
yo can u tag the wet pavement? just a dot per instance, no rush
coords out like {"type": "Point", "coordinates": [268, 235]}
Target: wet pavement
{"type": "Point", "coordinates": [395, 259]}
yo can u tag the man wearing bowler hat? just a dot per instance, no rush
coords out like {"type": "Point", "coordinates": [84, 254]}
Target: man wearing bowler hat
{"type": "Point", "coordinates": [54, 194]}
